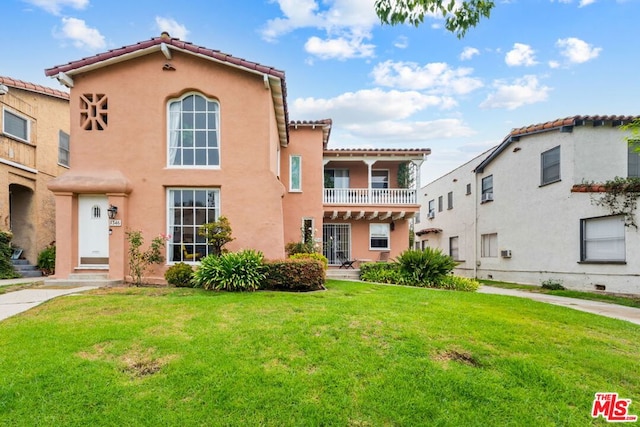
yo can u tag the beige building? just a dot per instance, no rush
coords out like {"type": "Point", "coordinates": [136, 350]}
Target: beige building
{"type": "Point", "coordinates": [34, 149]}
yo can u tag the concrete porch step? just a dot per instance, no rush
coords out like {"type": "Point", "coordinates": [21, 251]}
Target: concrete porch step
{"type": "Point", "coordinates": [341, 273]}
{"type": "Point", "coordinates": [24, 268]}
{"type": "Point", "coordinates": [83, 279]}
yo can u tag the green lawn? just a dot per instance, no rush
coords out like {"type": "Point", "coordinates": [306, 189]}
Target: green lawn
{"type": "Point", "coordinates": [355, 355]}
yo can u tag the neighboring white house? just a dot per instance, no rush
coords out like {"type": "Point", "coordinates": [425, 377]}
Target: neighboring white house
{"type": "Point", "coordinates": [519, 212]}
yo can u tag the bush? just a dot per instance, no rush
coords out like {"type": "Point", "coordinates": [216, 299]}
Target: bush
{"type": "Point", "coordinates": [232, 271]}
{"type": "Point", "coordinates": [313, 255]}
{"type": "Point", "coordinates": [47, 260]}
{"type": "Point", "coordinates": [295, 275]}
{"type": "Point", "coordinates": [553, 285]}
{"type": "Point", "coordinates": [217, 234]}
{"type": "Point", "coordinates": [293, 248]}
{"type": "Point", "coordinates": [179, 275]}
{"type": "Point", "coordinates": [6, 268]}
{"type": "Point", "coordinates": [381, 272]}
{"type": "Point", "coordinates": [457, 283]}
{"type": "Point", "coordinates": [425, 267]}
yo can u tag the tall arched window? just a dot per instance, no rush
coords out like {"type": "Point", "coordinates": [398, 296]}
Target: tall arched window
{"type": "Point", "coordinates": [194, 140]}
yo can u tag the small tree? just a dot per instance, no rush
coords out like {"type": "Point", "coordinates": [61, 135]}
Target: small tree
{"type": "Point", "coordinates": [140, 261]}
{"type": "Point", "coordinates": [217, 234]}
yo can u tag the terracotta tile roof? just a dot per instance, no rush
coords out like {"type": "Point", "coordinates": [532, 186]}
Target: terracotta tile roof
{"type": "Point", "coordinates": [374, 151]}
{"type": "Point", "coordinates": [428, 230]}
{"type": "Point", "coordinates": [32, 87]}
{"type": "Point", "coordinates": [157, 41]}
{"type": "Point", "coordinates": [324, 123]}
{"type": "Point", "coordinates": [566, 124]}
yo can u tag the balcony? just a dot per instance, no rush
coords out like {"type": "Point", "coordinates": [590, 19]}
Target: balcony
{"type": "Point", "coordinates": [365, 196]}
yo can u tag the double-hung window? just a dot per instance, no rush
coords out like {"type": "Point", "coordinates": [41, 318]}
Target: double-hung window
{"type": "Point", "coordinates": [188, 209]}
{"type": "Point", "coordinates": [603, 239]}
{"type": "Point", "coordinates": [450, 200]}
{"type": "Point", "coordinates": [432, 209]}
{"type": "Point", "coordinates": [63, 148]}
{"type": "Point", "coordinates": [487, 189]}
{"type": "Point", "coordinates": [633, 160]}
{"type": "Point", "coordinates": [379, 178]}
{"type": "Point", "coordinates": [379, 236]}
{"type": "Point", "coordinates": [550, 166]}
{"type": "Point", "coordinates": [15, 125]}
{"type": "Point", "coordinates": [454, 251]}
{"type": "Point", "coordinates": [439, 203]}
{"type": "Point", "coordinates": [194, 138]}
{"type": "Point", "coordinates": [489, 244]}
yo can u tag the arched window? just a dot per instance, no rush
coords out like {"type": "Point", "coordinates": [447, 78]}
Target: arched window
{"type": "Point", "coordinates": [193, 140]}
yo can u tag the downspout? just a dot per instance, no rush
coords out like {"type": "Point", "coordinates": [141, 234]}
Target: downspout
{"type": "Point", "coordinates": [475, 229]}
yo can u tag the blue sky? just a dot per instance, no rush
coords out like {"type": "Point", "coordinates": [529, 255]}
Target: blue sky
{"type": "Point", "coordinates": [384, 87]}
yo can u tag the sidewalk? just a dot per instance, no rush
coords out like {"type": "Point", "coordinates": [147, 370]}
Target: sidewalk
{"type": "Point", "coordinates": [12, 303]}
{"type": "Point", "coordinates": [615, 311]}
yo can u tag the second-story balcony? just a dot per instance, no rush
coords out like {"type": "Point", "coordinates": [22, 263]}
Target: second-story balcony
{"type": "Point", "coordinates": [374, 196]}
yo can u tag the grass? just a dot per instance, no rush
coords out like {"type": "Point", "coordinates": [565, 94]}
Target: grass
{"type": "Point", "coordinates": [629, 301]}
{"type": "Point", "coordinates": [19, 286]}
{"type": "Point", "coordinates": [357, 354]}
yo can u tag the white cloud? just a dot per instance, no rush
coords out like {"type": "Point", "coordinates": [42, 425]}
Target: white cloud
{"type": "Point", "coordinates": [345, 23]}
{"type": "Point", "coordinates": [172, 27]}
{"type": "Point", "coordinates": [468, 53]}
{"type": "Point", "coordinates": [401, 42]}
{"type": "Point", "coordinates": [521, 54]}
{"type": "Point", "coordinates": [577, 51]}
{"type": "Point", "coordinates": [397, 131]}
{"type": "Point", "coordinates": [523, 91]}
{"type": "Point", "coordinates": [554, 64]}
{"type": "Point", "coordinates": [438, 77]}
{"type": "Point", "coordinates": [339, 48]}
{"type": "Point", "coordinates": [584, 3]}
{"type": "Point", "coordinates": [55, 6]}
{"type": "Point", "coordinates": [369, 106]}
{"type": "Point", "coordinates": [82, 36]}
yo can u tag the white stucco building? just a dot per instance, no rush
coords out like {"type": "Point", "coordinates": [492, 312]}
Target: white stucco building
{"type": "Point", "coordinates": [517, 213]}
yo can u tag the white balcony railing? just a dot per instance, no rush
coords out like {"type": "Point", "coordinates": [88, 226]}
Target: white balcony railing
{"type": "Point", "coordinates": [364, 196]}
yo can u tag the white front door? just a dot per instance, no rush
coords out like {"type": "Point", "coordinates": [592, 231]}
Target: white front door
{"type": "Point", "coordinates": [93, 230]}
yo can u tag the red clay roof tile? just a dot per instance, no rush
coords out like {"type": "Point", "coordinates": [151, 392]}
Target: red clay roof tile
{"type": "Point", "coordinates": [32, 87]}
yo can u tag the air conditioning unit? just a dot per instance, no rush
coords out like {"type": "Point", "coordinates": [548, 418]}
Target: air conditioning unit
{"type": "Point", "coordinates": [487, 197]}
{"type": "Point", "coordinates": [431, 215]}
{"type": "Point", "coordinates": [505, 253]}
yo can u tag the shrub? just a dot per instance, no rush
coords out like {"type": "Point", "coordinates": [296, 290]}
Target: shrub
{"type": "Point", "coordinates": [313, 255]}
{"type": "Point", "coordinates": [295, 275]}
{"type": "Point", "coordinates": [47, 260]}
{"type": "Point", "coordinates": [424, 267]}
{"type": "Point", "coordinates": [553, 284]}
{"type": "Point", "coordinates": [140, 261]}
{"type": "Point", "coordinates": [293, 248]}
{"type": "Point", "coordinates": [457, 283]}
{"type": "Point", "coordinates": [232, 271]}
{"type": "Point", "coordinates": [179, 275]}
{"type": "Point", "coordinates": [381, 272]}
{"type": "Point", "coordinates": [217, 234]}
{"type": "Point", "coordinates": [6, 268]}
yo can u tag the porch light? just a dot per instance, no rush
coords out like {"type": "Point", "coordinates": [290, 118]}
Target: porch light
{"type": "Point", "coordinates": [112, 211]}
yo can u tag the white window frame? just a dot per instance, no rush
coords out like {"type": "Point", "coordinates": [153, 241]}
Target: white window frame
{"type": "Point", "coordinates": [487, 190]}
{"type": "Point", "coordinates": [546, 165]}
{"type": "Point", "coordinates": [380, 173]}
{"type": "Point", "coordinates": [62, 149]}
{"type": "Point", "coordinates": [454, 250]}
{"type": "Point", "coordinates": [21, 117]}
{"type": "Point", "coordinates": [383, 232]}
{"type": "Point", "coordinates": [198, 243]}
{"type": "Point", "coordinates": [311, 231]}
{"type": "Point", "coordinates": [173, 147]}
{"type": "Point", "coordinates": [450, 200]}
{"type": "Point", "coordinates": [633, 160]}
{"type": "Point", "coordinates": [603, 239]}
{"type": "Point", "coordinates": [293, 188]}
{"type": "Point", "coordinates": [489, 245]}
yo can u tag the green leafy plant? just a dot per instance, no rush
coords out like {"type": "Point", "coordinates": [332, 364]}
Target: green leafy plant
{"type": "Point", "coordinates": [217, 234]}
{"type": "Point", "coordinates": [293, 248]}
{"type": "Point", "coordinates": [424, 267]}
{"type": "Point", "coordinates": [232, 271]}
{"type": "Point", "coordinates": [140, 261]}
{"type": "Point", "coordinates": [6, 268]}
{"type": "Point", "coordinates": [457, 283]}
{"type": "Point", "coordinates": [298, 275]}
{"type": "Point", "coordinates": [381, 272]}
{"type": "Point", "coordinates": [553, 284]}
{"type": "Point", "coordinates": [313, 255]}
{"type": "Point", "coordinates": [620, 197]}
{"type": "Point", "coordinates": [47, 259]}
{"type": "Point", "coordinates": [179, 275]}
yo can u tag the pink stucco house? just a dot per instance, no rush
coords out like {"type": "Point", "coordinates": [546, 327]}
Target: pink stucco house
{"type": "Point", "coordinates": [173, 135]}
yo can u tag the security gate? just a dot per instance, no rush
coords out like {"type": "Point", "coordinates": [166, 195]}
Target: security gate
{"type": "Point", "coordinates": [336, 240]}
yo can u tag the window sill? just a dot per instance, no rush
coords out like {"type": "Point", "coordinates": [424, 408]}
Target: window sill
{"type": "Point", "coordinates": [549, 183]}
{"type": "Point", "coordinates": [18, 139]}
{"type": "Point", "coordinates": [603, 262]}
{"type": "Point", "coordinates": [486, 201]}
{"type": "Point", "coordinates": [295, 191]}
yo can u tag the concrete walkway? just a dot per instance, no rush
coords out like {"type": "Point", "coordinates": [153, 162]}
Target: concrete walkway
{"type": "Point", "coordinates": [615, 311]}
{"type": "Point", "coordinates": [12, 303]}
